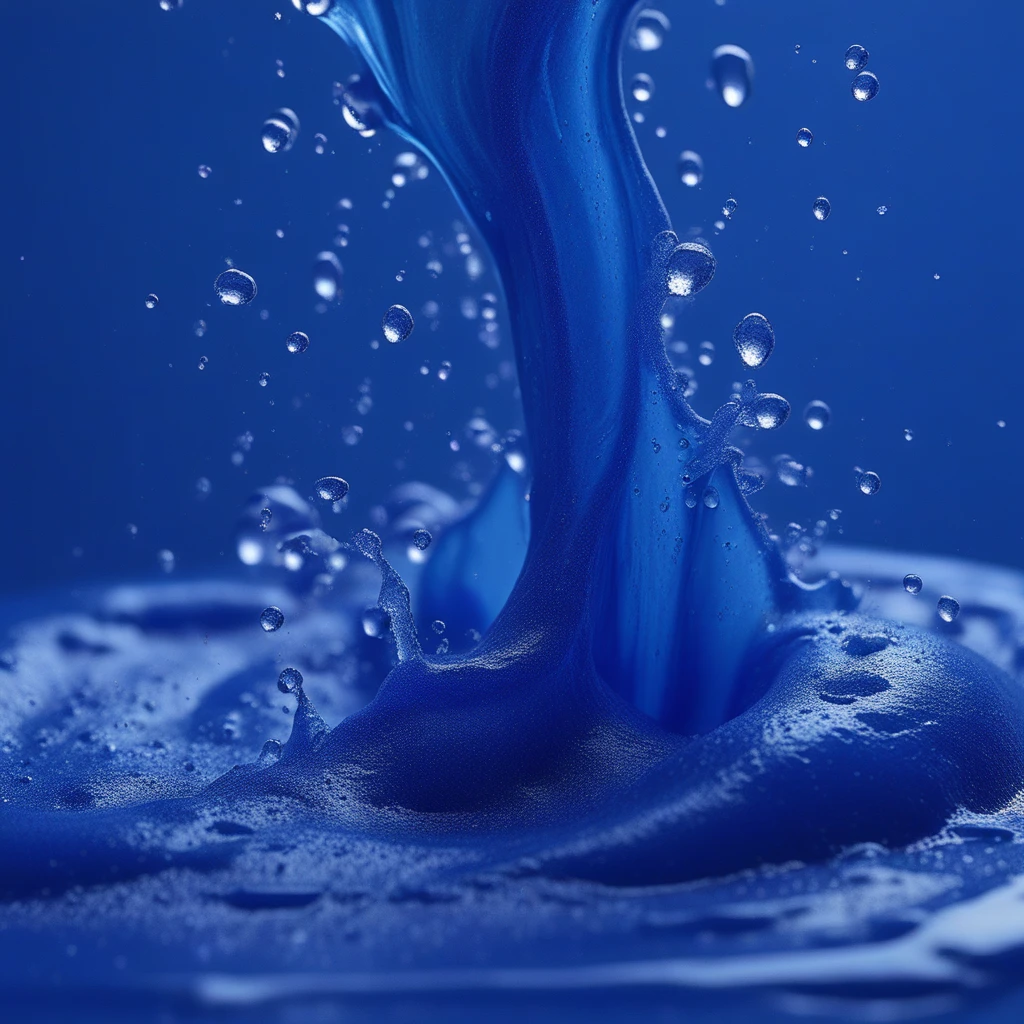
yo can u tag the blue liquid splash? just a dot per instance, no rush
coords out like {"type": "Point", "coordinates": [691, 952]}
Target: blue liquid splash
{"type": "Point", "coordinates": [654, 700]}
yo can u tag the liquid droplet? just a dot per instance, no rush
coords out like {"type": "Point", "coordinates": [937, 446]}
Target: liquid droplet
{"type": "Point", "coordinates": [882, 211]}
{"type": "Point", "coordinates": [171, 5]}
{"type": "Point", "coordinates": [804, 137]}
{"type": "Point", "coordinates": [821, 208]}
{"type": "Point", "coordinates": [817, 415]}
{"type": "Point", "coordinates": [298, 341]}
{"type": "Point", "coordinates": [280, 131]}
{"type": "Point", "coordinates": [289, 680]}
{"type": "Point", "coordinates": [912, 583]}
{"type": "Point", "coordinates": [327, 276]}
{"type": "Point", "coordinates": [869, 483]}
{"type": "Point", "coordinates": [152, 301]}
{"type": "Point", "coordinates": [691, 266]}
{"type": "Point", "coordinates": [271, 619]}
{"type": "Point", "coordinates": [755, 339]}
{"type": "Point", "coordinates": [948, 608]}
{"type": "Point", "coordinates": [771, 411]}
{"type": "Point", "coordinates": [642, 88]}
{"type": "Point", "coordinates": [649, 30]}
{"type": "Point", "coordinates": [908, 434]}
{"type": "Point", "coordinates": [314, 7]}
{"type": "Point", "coordinates": [706, 353]}
{"type": "Point", "coordinates": [319, 144]}
{"type": "Point", "coordinates": [857, 58]}
{"type": "Point", "coordinates": [266, 515]}
{"type": "Point", "coordinates": [203, 360]}
{"type": "Point", "coordinates": [422, 539]}
{"type": "Point", "coordinates": [235, 288]}
{"type": "Point", "coordinates": [791, 473]}
{"type": "Point", "coordinates": [165, 558]}
{"type": "Point", "coordinates": [711, 498]}
{"type": "Point", "coordinates": [691, 168]}
{"type": "Point", "coordinates": [331, 488]}
{"type": "Point", "coordinates": [730, 207]}
{"type": "Point", "coordinates": [864, 87]}
{"type": "Point", "coordinates": [733, 74]}
{"type": "Point", "coordinates": [375, 622]}
{"type": "Point", "coordinates": [397, 324]}
{"type": "Point", "coordinates": [263, 379]}
{"type": "Point", "coordinates": [205, 170]}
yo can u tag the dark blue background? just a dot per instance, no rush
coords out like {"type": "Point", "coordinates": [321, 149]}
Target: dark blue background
{"type": "Point", "coordinates": [107, 421]}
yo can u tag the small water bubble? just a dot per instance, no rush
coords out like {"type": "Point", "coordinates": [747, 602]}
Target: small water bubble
{"type": "Point", "coordinates": [152, 301]}
{"type": "Point", "coordinates": [171, 5]}
{"type": "Point", "coordinates": [265, 517]}
{"type": "Point", "coordinates": [327, 276]}
{"type": "Point", "coordinates": [205, 170]}
{"type": "Point", "coordinates": [649, 30]}
{"type": "Point", "coordinates": [319, 143]}
{"type": "Point", "coordinates": [199, 328]}
{"type": "Point", "coordinates": [869, 483]}
{"type": "Point", "coordinates": [438, 626]}
{"type": "Point", "coordinates": [770, 411]}
{"type": "Point", "coordinates": [360, 122]}
{"type": "Point", "coordinates": [804, 137]}
{"type": "Point", "coordinates": [165, 558]}
{"type": "Point", "coordinates": [908, 434]}
{"type": "Point", "coordinates": [280, 131]}
{"type": "Point", "coordinates": [733, 74]}
{"type": "Point", "coordinates": [298, 341]}
{"type": "Point", "coordinates": [263, 379]}
{"type": "Point", "coordinates": [397, 324]}
{"type": "Point", "coordinates": [856, 58]}
{"type": "Point", "coordinates": [271, 619]}
{"type": "Point", "coordinates": [791, 473]}
{"type": "Point", "coordinates": [729, 208]}
{"type": "Point", "coordinates": [821, 208]}
{"type": "Point", "coordinates": [834, 513]}
{"type": "Point", "coordinates": [331, 488]}
{"type": "Point", "coordinates": [642, 88]}
{"type": "Point", "coordinates": [422, 539]}
{"type": "Point", "coordinates": [444, 371]}
{"type": "Point", "coordinates": [706, 354]}
{"type": "Point", "coordinates": [691, 168]}
{"type": "Point", "coordinates": [817, 415]}
{"type": "Point", "coordinates": [289, 680]}
{"type": "Point", "coordinates": [711, 498]}
{"type": "Point", "coordinates": [203, 362]}
{"type": "Point", "coordinates": [948, 608]}
{"type": "Point", "coordinates": [203, 487]}
{"type": "Point", "coordinates": [754, 337]}
{"type": "Point", "coordinates": [691, 266]}
{"type": "Point", "coordinates": [912, 583]}
{"type": "Point", "coordinates": [864, 87]}
{"type": "Point", "coordinates": [235, 288]}
{"type": "Point", "coordinates": [375, 622]}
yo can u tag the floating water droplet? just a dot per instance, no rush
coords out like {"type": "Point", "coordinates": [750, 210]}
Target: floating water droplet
{"type": "Point", "coordinates": [869, 483]}
{"type": "Point", "coordinates": [314, 7]}
{"type": "Point", "coordinates": [263, 379]}
{"type": "Point", "coordinates": [358, 121]}
{"type": "Point", "coordinates": [152, 301]}
{"type": "Point", "coordinates": [856, 57]}
{"type": "Point", "coordinates": [265, 517]}
{"type": "Point", "coordinates": [327, 276]}
{"type": "Point", "coordinates": [203, 360]}
{"type": "Point", "coordinates": [804, 137]}
{"type": "Point", "coordinates": [331, 488]}
{"type": "Point", "coordinates": [729, 208]}
{"type": "Point", "coordinates": [821, 208]}
{"type": "Point", "coordinates": [770, 411]}
{"type": "Point", "coordinates": [755, 340]}
{"type": "Point", "coordinates": [912, 583]}
{"type": "Point", "coordinates": [205, 170]}
{"type": "Point", "coordinates": [791, 473]}
{"type": "Point", "coordinates": [375, 622]}
{"type": "Point", "coordinates": [165, 557]}
{"type": "Point", "coordinates": [444, 371]}
{"type": "Point", "coordinates": [733, 74]}
{"type": "Point", "coordinates": [948, 608]}
{"type": "Point", "coordinates": [882, 211]}
{"type": "Point", "coordinates": [422, 538]}
{"type": "Point", "coordinates": [203, 487]}
{"type": "Point", "coordinates": [319, 144]}
{"type": "Point", "coordinates": [437, 626]}
{"type": "Point", "coordinates": [289, 680]}
{"type": "Point", "coordinates": [235, 288]}
{"type": "Point", "coordinates": [691, 168]}
{"type": "Point", "coordinates": [691, 266]}
{"type": "Point", "coordinates": [298, 341]}
{"type": "Point", "coordinates": [908, 434]}
{"type": "Point", "coordinates": [817, 415]}
{"type": "Point", "coordinates": [642, 88]}
{"type": "Point", "coordinates": [280, 131]}
{"type": "Point", "coordinates": [711, 498]}
{"type": "Point", "coordinates": [397, 324]}
{"type": "Point", "coordinates": [864, 87]}
{"type": "Point", "coordinates": [649, 30]}
{"type": "Point", "coordinates": [171, 5]}
{"type": "Point", "coordinates": [271, 619]}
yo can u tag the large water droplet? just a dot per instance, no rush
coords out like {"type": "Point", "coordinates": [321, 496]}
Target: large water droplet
{"type": "Point", "coordinates": [770, 411]}
{"type": "Point", "coordinates": [280, 131]}
{"type": "Point", "coordinates": [235, 288]}
{"type": "Point", "coordinates": [821, 208]}
{"type": "Point", "coordinates": [711, 498]}
{"type": "Point", "coordinates": [397, 324]}
{"type": "Point", "coordinates": [948, 608]}
{"type": "Point", "coordinates": [869, 483]}
{"type": "Point", "coordinates": [857, 57]}
{"type": "Point", "coordinates": [205, 170]}
{"type": "Point", "coordinates": [331, 488]}
{"type": "Point", "coordinates": [817, 414]}
{"type": "Point", "coordinates": [691, 168]}
{"type": "Point", "coordinates": [422, 539]}
{"type": "Point", "coordinates": [691, 266]}
{"type": "Point", "coordinates": [152, 301]}
{"type": "Point", "coordinates": [289, 680]}
{"type": "Point", "coordinates": [733, 74]}
{"type": "Point", "coordinates": [912, 583]}
{"type": "Point", "coordinates": [298, 341]}
{"type": "Point", "coordinates": [649, 30]}
{"type": "Point", "coordinates": [804, 137]}
{"type": "Point", "coordinates": [864, 87]}
{"type": "Point", "coordinates": [327, 276]}
{"type": "Point", "coordinates": [755, 339]}
{"type": "Point", "coordinates": [375, 622]}
{"type": "Point", "coordinates": [271, 619]}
